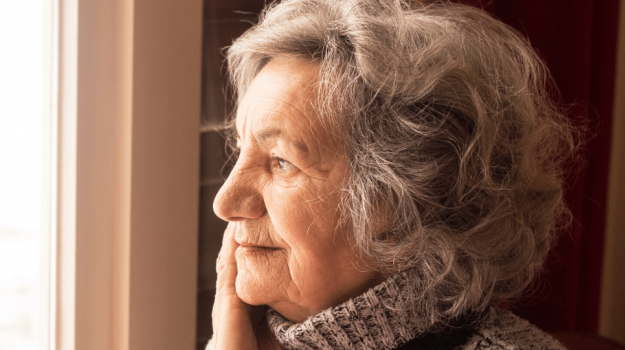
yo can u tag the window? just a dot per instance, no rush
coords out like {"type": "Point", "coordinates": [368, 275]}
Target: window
{"type": "Point", "coordinates": [20, 179]}
{"type": "Point", "coordinates": [127, 77]}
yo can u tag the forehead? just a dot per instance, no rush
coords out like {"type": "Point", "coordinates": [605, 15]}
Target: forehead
{"type": "Point", "coordinates": [279, 99]}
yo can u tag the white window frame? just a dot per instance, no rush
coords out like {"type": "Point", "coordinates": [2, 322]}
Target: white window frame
{"type": "Point", "coordinates": [126, 171]}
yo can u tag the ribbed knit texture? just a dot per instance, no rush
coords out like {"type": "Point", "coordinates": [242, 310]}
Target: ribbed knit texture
{"type": "Point", "coordinates": [380, 319]}
{"type": "Point", "coordinates": [377, 319]}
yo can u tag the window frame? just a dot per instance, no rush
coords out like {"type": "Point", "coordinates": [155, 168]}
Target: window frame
{"type": "Point", "coordinates": [612, 306]}
{"type": "Point", "coordinates": [127, 76]}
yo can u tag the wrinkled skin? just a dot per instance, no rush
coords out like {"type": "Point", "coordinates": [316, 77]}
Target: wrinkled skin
{"type": "Point", "coordinates": [236, 325]}
{"type": "Point", "coordinates": [284, 246]}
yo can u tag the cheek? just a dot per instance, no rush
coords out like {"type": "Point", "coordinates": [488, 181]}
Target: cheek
{"type": "Point", "coordinates": [265, 278]}
{"type": "Point", "coordinates": [297, 211]}
{"type": "Point", "coordinates": [306, 223]}
{"type": "Point", "coordinates": [316, 269]}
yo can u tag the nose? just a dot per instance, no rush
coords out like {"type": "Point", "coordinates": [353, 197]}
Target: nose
{"type": "Point", "coordinates": [240, 198]}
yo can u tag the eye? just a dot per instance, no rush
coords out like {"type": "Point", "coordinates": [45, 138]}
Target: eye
{"type": "Point", "coordinates": [282, 164]}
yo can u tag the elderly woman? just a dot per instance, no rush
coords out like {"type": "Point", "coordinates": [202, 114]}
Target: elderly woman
{"type": "Point", "coordinates": [398, 176]}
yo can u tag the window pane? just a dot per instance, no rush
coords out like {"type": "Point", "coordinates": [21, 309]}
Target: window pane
{"type": "Point", "coordinates": [20, 179]}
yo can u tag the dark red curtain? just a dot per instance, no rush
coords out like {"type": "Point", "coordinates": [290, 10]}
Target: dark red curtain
{"type": "Point", "coordinates": [577, 39]}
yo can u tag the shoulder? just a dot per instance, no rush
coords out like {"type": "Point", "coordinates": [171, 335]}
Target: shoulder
{"type": "Point", "coordinates": [503, 330]}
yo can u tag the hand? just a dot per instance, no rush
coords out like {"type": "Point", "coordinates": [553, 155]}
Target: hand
{"type": "Point", "coordinates": [236, 325]}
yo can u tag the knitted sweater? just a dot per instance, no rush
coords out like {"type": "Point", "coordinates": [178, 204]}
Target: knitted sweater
{"type": "Point", "coordinates": [378, 319]}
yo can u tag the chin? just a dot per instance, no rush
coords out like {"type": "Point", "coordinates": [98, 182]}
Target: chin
{"type": "Point", "coordinates": [257, 292]}
{"type": "Point", "coordinates": [249, 290]}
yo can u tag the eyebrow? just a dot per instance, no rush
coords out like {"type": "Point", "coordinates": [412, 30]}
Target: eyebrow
{"type": "Point", "coordinates": [272, 132]}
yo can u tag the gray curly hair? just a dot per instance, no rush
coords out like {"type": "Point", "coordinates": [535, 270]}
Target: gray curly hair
{"type": "Point", "coordinates": [450, 133]}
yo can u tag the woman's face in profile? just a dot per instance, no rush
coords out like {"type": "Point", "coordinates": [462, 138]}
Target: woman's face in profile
{"type": "Point", "coordinates": [283, 195]}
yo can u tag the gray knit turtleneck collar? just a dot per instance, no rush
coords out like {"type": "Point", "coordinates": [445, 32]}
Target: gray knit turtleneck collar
{"type": "Point", "coordinates": [381, 318]}
{"type": "Point", "coordinates": [385, 318]}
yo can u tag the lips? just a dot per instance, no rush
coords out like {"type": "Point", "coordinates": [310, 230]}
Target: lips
{"type": "Point", "coordinates": [254, 237]}
{"type": "Point", "coordinates": [254, 251]}
{"type": "Point", "coordinates": [248, 246]}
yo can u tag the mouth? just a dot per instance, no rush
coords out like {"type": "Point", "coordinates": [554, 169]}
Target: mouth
{"type": "Point", "coordinates": [254, 247]}
{"type": "Point", "coordinates": [252, 250]}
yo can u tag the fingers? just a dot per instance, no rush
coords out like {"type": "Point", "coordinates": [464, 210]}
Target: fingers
{"type": "Point", "coordinates": [228, 248]}
{"type": "Point", "coordinates": [225, 297]}
{"type": "Point", "coordinates": [232, 324]}
{"type": "Point", "coordinates": [226, 262]}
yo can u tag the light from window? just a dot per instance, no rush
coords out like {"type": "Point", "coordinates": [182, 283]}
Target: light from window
{"type": "Point", "coordinates": [21, 107]}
